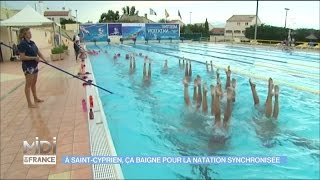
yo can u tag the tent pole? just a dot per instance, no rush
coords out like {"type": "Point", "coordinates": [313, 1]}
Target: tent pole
{"type": "Point", "coordinates": [53, 40]}
{"type": "Point", "coordinates": [10, 43]}
{"type": "Point", "coordinates": [60, 35]}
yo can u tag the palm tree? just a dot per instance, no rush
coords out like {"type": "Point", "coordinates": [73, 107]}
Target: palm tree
{"type": "Point", "coordinates": [130, 11]}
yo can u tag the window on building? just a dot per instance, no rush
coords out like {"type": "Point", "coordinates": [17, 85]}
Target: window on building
{"type": "Point", "coordinates": [243, 32]}
{"type": "Point", "coordinates": [237, 31]}
{"type": "Point", "coordinates": [246, 24]}
{"type": "Point", "coordinates": [238, 23]}
{"type": "Point", "coordinates": [228, 31]}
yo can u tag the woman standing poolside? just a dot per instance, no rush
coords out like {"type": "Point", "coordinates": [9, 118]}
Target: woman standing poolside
{"type": "Point", "coordinates": [30, 56]}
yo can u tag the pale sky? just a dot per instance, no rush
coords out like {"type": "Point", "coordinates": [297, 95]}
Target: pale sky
{"type": "Point", "coordinates": [302, 14]}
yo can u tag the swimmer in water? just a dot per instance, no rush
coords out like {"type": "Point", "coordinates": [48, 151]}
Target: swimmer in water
{"type": "Point", "coordinates": [204, 102]}
{"type": "Point", "coordinates": [183, 62]}
{"type": "Point", "coordinates": [195, 85]}
{"type": "Point", "coordinates": [233, 86]}
{"type": "Point", "coordinates": [190, 70]}
{"type": "Point", "coordinates": [165, 67]}
{"type": "Point", "coordinates": [207, 66]}
{"type": "Point", "coordinates": [199, 97]}
{"type": "Point", "coordinates": [134, 63]}
{"type": "Point", "coordinates": [211, 66]}
{"type": "Point", "coordinates": [228, 74]}
{"type": "Point", "coordinates": [145, 70]}
{"type": "Point", "coordinates": [149, 71]}
{"type": "Point", "coordinates": [186, 92]}
{"type": "Point", "coordinates": [186, 73]}
{"type": "Point", "coordinates": [268, 104]}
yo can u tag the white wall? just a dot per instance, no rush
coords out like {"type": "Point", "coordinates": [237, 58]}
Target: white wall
{"type": "Point", "coordinates": [234, 26]}
{"type": "Point", "coordinates": [72, 27]}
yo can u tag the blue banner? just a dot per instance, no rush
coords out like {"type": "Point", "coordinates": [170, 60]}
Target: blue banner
{"type": "Point", "coordinates": [94, 32]}
{"type": "Point", "coordinates": [115, 29]}
{"type": "Point", "coordinates": [162, 31]}
{"type": "Point", "coordinates": [133, 30]}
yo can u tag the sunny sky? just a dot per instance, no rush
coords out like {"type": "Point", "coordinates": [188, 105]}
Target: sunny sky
{"type": "Point", "coordinates": [302, 14]}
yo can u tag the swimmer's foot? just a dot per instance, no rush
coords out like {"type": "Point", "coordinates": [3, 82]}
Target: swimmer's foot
{"type": "Point", "coordinates": [270, 84]}
{"type": "Point", "coordinates": [32, 106]}
{"type": "Point", "coordinates": [251, 83]}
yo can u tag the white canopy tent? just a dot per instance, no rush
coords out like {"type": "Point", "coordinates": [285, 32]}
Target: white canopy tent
{"type": "Point", "coordinates": [29, 17]}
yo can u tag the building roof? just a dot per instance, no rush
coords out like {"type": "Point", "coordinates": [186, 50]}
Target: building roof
{"type": "Point", "coordinates": [176, 22]}
{"type": "Point", "coordinates": [241, 18]}
{"type": "Point", "coordinates": [56, 13]}
{"type": "Point", "coordinates": [217, 30]}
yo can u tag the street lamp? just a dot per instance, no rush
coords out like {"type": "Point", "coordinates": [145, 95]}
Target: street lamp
{"type": "Point", "coordinates": [255, 27]}
{"type": "Point", "coordinates": [77, 21]}
{"type": "Point", "coordinates": [285, 23]}
{"type": "Point", "coordinates": [77, 15]}
{"type": "Point", "coordinates": [190, 18]}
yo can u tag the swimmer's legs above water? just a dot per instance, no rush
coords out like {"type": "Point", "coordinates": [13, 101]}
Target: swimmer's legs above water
{"type": "Point", "coordinates": [186, 92]}
{"type": "Point", "coordinates": [228, 110]}
{"type": "Point", "coordinates": [212, 90]}
{"type": "Point", "coordinates": [276, 102]}
{"type": "Point", "coordinates": [199, 98]}
{"type": "Point", "coordinates": [254, 92]}
{"type": "Point", "coordinates": [216, 107]}
{"type": "Point", "coordinates": [268, 109]}
{"type": "Point", "coordinates": [204, 101]}
{"type": "Point", "coordinates": [195, 85]}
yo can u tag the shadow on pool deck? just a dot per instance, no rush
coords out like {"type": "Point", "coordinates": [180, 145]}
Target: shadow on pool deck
{"type": "Point", "coordinates": [60, 116]}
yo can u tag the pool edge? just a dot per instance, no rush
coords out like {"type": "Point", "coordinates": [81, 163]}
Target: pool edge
{"type": "Point", "coordinates": [94, 127]}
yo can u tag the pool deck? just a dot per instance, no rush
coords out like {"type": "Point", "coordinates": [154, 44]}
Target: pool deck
{"type": "Point", "coordinates": [61, 116]}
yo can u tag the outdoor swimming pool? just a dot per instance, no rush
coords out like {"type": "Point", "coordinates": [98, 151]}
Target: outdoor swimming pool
{"type": "Point", "coordinates": [151, 120]}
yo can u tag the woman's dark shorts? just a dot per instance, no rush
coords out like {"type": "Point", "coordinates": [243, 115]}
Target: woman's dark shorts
{"type": "Point", "coordinates": [29, 69]}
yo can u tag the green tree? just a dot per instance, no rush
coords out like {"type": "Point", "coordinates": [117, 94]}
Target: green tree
{"type": "Point", "coordinates": [162, 21]}
{"type": "Point", "coordinates": [64, 21]}
{"type": "Point", "coordinates": [130, 11]}
{"type": "Point", "coordinates": [267, 32]}
{"type": "Point", "coordinates": [206, 28]}
{"type": "Point", "coordinates": [111, 16]}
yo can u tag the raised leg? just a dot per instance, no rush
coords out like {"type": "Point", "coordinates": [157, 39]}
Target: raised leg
{"type": "Point", "coordinates": [276, 102]}
{"type": "Point", "coordinates": [254, 92]}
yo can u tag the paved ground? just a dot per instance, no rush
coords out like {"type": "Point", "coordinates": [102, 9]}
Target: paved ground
{"type": "Point", "coordinates": [60, 116]}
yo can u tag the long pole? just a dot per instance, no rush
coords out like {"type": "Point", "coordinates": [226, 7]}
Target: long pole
{"type": "Point", "coordinates": [285, 22]}
{"type": "Point", "coordinates": [190, 18]}
{"type": "Point", "coordinates": [256, 25]}
{"type": "Point", "coordinates": [89, 82]}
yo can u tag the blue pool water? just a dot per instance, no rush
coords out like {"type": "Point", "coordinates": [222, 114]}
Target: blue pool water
{"type": "Point", "coordinates": [152, 120]}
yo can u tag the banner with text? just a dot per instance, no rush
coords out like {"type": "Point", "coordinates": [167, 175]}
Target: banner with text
{"type": "Point", "coordinates": [162, 31]}
{"type": "Point", "coordinates": [133, 30]}
{"type": "Point", "coordinates": [115, 29]}
{"type": "Point", "coordinates": [94, 32]}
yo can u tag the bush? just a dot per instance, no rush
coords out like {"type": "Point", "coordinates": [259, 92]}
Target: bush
{"type": "Point", "coordinates": [57, 50]}
{"type": "Point", "coordinates": [64, 47]}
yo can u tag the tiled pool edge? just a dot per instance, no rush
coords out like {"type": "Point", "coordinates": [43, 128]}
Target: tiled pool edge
{"type": "Point", "coordinates": [101, 143]}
